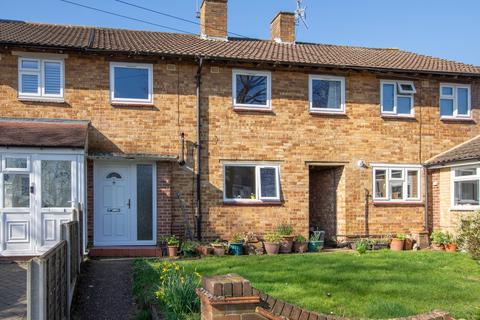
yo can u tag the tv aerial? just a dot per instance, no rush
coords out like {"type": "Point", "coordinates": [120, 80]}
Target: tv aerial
{"type": "Point", "coordinates": [300, 14]}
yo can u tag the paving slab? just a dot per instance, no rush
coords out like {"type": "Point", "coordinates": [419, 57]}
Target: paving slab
{"type": "Point", "coordinates": [13, 288]}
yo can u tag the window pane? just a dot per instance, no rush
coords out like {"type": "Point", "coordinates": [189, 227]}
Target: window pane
{"type": "Point", "coordinates": [466, 192]}
{"type": "Point", "coordinates": [446, 107]}
{"type": "Point", "coordinates": [30, 64]}
{"type": "Point", "coordinates": [56, 184]}
{"type": "Point", "coordinates": [251, 89]}
{"type": "Point", "coordinates": [16, 190]}
{"type": "Point", "coordinates": [396, 174]}
{"type": "Point", "coordinates": [462, 100]}
{"type": "Point", "coordinates": [380, 184]}
{"type": "Point", "coordinates": [29, 83]}
{"type": "Point", "coordinates": [406, 87]}
{"type": "Point", "coordinates": [268, 182]}
{"type": "Point", "coordinates": [16, 163]}
{"type": "Point", "coordinates": [53, 79]}
{"type": "Point", "coordinates": [326, 94]}
{"type": "Point", "coordinates": [412, 184]}
{"type": "Point", "coordinates": [447, 91]}
{"type": "Point", "coordinates": [240, 182]}
{"type": "Point", "coordinates": [131, 83]}
{"type": "Point", "coordinates": [144, 202]}
{"type": "Point", "coordinates": [396, 189]}
{"type": "Point", "coordinates": [388, 97]}
{"type": "Point", "coordinates": [404, 105]}
{"type": "Point", "coordinates": [465, 172]}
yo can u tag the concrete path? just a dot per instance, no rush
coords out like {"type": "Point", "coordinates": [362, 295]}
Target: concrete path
{"type": "Point", "coordinates": [105, 291]}
{"type": "Point", "coordinates": [13, 287]}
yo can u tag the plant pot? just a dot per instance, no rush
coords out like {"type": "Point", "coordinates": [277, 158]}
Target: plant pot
{"type": "Point", "coordinates": [315, 246]}
{"type": "Point", "coordinates": [189, 253]}
{"type": "Point", "coordinates": [272, 247]}
{"type": "Point", "coordinates": [286, 244]}
{"type": "Point", "coordinates": [408, 245]}
{"type": "Point", "coordinates": [438, 246]}
{"type": "Point", "coordinates": [300, 247]}
{"type": "Point", "coordinates": [172, 251]}
{"type": "Point", "coordinates": [236, 248]}
{"type": "Point", "coordinates": [219, 250]}
{"type": "Point", "coordinates": [451, 247]}
{"type": "Point", "coordinates": [204, 250]}
{"type": "Point", "coordinates": [397, 245]}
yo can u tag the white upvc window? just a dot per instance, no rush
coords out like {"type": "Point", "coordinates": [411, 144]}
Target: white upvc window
{"type": "Point", "coordinates": [13, 162]}
{"type": "Point", "coordinates": [396, 98]}
{"type": "Point", "coordinates": [326, 94]}
{"type": "Point", "coordinates": [455, 101]}
{"type": "Point", "coordinates": [40, 79]}
{"type": "Point", "coordinates": [251, 182]}
{"type": "Point", "coordinates": [131, 83]}
{"type": "Point", "coordinates": [252, 89]}
{"type": "Point", "coordinates": [396, 183]}
{"type": "Point", "coordinates": [465, 185]}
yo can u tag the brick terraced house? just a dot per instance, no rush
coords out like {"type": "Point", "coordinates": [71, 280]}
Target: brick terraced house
{"type": "Point", "coordinates": [148, 130]}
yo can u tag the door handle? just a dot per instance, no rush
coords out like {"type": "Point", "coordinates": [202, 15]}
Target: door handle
{"type": "Point", "coordinates": [129, 203]}
{"type": "Point", "coordinates": [113, 210]}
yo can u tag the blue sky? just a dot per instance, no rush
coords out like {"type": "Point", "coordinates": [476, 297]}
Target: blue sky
{"type": "Point", "coordinates": [443, 28]}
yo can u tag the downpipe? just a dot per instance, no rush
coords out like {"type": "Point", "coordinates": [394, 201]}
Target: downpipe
{"type": "Point", "coordinates": [198, 203]}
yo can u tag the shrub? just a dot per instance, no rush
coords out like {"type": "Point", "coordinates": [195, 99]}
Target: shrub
{"type": "Point", "coordinates": [469, 235]}
{"type": "Point", "coordinates": [272, 237]}
{"type": "Point", "coordinates": [284, 229]}
{"type": "Point", "coordinates": [361, 245]}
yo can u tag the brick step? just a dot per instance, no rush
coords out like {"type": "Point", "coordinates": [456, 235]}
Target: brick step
{"type": "Point", "coordinates": [125, 251]}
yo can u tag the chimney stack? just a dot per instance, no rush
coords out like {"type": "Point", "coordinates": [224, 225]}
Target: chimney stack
{"type": "Point", "coordinates": [213, 19]}
{"type": "Point", "coordinates": [282, 28]}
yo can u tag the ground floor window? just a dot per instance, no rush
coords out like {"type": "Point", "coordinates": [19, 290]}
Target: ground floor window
{"type": "Point", "coordinates": [396, 183]}
{"type": "Point", "coordinates": [251, 182]}
{"type": "Point", "coordinates": [466, 182]}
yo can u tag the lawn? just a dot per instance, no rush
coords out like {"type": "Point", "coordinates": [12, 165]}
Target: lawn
{"type": "Point", "coordinates": [381, 284]}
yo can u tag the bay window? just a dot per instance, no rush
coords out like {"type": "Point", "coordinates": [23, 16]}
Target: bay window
{"type": "Point", "coordinates": [396, 183]}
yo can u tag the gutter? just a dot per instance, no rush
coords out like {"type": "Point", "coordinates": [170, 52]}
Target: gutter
{"type": "Point", "coordinates": [198, 204]}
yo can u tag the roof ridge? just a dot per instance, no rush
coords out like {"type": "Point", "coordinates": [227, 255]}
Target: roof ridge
{"type": "Point", "coordinates": [453, 148]}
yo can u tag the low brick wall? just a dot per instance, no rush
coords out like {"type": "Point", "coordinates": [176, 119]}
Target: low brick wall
{"type": "Point", "coordinates": [231, 297]}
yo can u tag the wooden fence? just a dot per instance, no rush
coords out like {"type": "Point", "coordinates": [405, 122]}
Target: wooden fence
{"type": "Point", "coordinates": [52, 277]}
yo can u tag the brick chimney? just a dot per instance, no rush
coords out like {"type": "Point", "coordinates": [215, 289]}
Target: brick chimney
{"type": "Point", "coordinates": [213, 19]}
{"type": "Point", "coordinates": [282, 28]}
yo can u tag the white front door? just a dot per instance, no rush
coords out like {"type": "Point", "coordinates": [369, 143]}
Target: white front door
{"type": "Point", "coordinates": [124, 201]}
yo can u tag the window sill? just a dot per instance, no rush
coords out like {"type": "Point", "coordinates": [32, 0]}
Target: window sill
{"type": "Point", "coordinates": [252, 109]}
{"type": "Point", "coordinates": [398, 117]}
{"type": "Point", "coordinates": [465, 208]}
{"type": "Point", "coordinates": [252, 203]}
{"type": "Point", "coordinates": [41, 99]}
{"type": "Point", "coordinates": [327, 112]}
{"type": "Point", "coordinates": [455, 119]}
{"type": "Point", "coordinates": [131, 104]}
{"type": "Point", "coordinates": [397, 203]}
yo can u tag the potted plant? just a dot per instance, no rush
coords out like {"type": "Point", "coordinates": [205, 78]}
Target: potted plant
{"type": "Point", "coordinates": [451, 243]}
{"type": "Point", "coordinates": [438, 240]}
{"type": "Point", "coordinates": [398, 242]}
{"type": "Point", "coordinates": [218, 247]}
{"type": "Point", "coordinates": [272, 242]}
{"type": "Point", "coordinates": [286, 243]}
{"type": "Point", "coordinates": [236, 245]}
{"type": "Point", "coordinates": [362, 245]}
{"type": "Point", "coordinates": [300, 244]}
{"type": "Point", "coordinates": [172, 244]}
{"type": "Point", "coordinates": [189, 248]}
{"type": "Point", "coordinates": [204, 249]}
{"type": "Point", "coordinates": [316, 243]}
{"type": "Point", "coordinates": [408, 244]}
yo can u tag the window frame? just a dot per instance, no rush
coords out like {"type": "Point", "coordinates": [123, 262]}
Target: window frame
{"type": "Point", "coordinates": [40, 72]}
{"type": "Point", "coordinates": [130, 101]}
{"type": "Point", "coordinates": [454, 179]}
{"type": "Point", "coordinates": [342, 109]}
{"type": "Point", "coordinates": [396, 95]}
{"type": "Point", "coordinates": [258, 197]}
{"type": "Point", "coordinates": [10, 156]}
{"type": "Point", "coordinates": [454, 97]}
{"type": "Point", "coordinates": [405, 169]}
{"type": "Point", "coordinates": [245, 106]}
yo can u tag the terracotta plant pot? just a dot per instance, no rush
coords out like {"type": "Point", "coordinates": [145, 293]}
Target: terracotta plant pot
{"type": "Point", "coordinates": [272, 247]}
{"type": "Point", "coordinates": [438, 246]}
{"type": "Point", "coordinates": [300, 247]}
{"type": "Point", "coordinates": [172, 251]}
{"type": "Point", "coordinates": [451, 247]}
{"type": "Point", "coordinates": [204, 250]}
{"type": "Point", "coordinates": [397, 245]}
{"type": "Point", "coordinates": [219, 250]}
{"type": "Point", "coordinates": [286, 244]}
{"type": "Point", "coordinates": [408, 245]}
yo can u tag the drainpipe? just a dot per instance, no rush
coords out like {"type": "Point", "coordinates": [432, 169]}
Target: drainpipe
{"type": "Point", "coordinates": [425, 169]}
{"type": "Point", "coordinates": [198, 206]}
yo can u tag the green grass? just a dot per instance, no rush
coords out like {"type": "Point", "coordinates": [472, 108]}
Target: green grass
{"type": "Point", "coordinates": [378, 285]}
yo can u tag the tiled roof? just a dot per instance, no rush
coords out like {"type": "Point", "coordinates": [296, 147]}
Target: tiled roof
{"type": "Point", "coordinates": [43, 133]}
{"type": "Point", "coordinates": [161, 43]}
{"type": "Point", "coordinates": [469, 150]}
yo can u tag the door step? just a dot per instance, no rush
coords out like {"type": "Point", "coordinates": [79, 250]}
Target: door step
{"type": "Point", "coordinates": [126, 251]}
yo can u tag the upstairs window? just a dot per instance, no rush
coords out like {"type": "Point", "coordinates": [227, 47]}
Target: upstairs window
{"type": "Point", "coordinates": [466, 181]}
{"type": "Point", "coordinates": [131, 83]}
{"type": "Point", "coordinates": [454, 101]}
{"type": "Point", "coordinates": [397, 97]}
{"type": "Point", "coordinates": [40, 78]}
{"type": "Point", "coordinates": [396, 183]}
{"type": "Point", "coordinates": [327, 94]}
{"type": "Point", "coordinates": [250, 182]}
{"type": "Point", "coordinates": [251, 90]}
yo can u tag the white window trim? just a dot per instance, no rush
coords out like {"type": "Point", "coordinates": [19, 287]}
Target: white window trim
{"type": "Point", "coordinates": [405, 169]}
{"type": "Point", "coordinates": [342, 108]}
{"type": "Point", "coordinates": [396, 95]}
{"type": "Point", "coordinates": [258, 198]}
{"type": "Point", "coordinates": [4, 163]}
{"type": "Point", "coordinates": [453, 179]}
{"type": "Point", "coordinates": [406, 92]}
{"type": "Point", "coordinates": [127, 101]}
{"type": "Point", "coordinates": [40, 72]}
{"type": "Point", "coordinates": [454, 97]}
{"type": "Point", "coordinates": [244, 106]}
